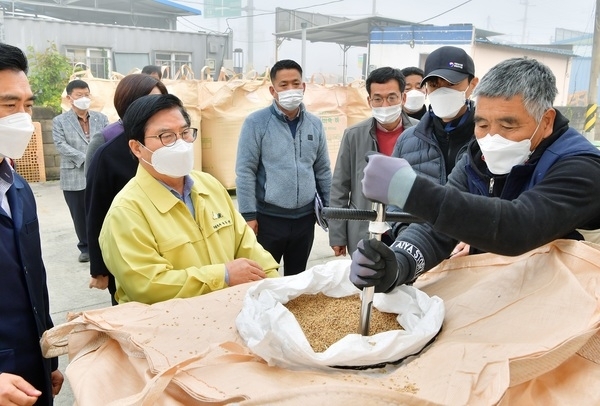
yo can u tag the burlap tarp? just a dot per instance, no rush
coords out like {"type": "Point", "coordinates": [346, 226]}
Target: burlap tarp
{"type": "Point", "coordinates": [518, 330]}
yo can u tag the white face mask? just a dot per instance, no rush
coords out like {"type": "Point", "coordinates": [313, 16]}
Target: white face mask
{"type": "Point", "coordinates": [446, 102]}
{"type": "Point", "coordinates": [501, 154]}
{"type": "Point", "coordinates": [83, 103]}
{"type": "Point", "coordinates": [388, 114]}
{"type": "Point", "coordinates": [290, 99]}
{"type": "Point", "coordinates": [15, 133]}
{"type": "Point", "coordinates": [174, 161]}
{"type": "Point", "coordinates": [415, 100]}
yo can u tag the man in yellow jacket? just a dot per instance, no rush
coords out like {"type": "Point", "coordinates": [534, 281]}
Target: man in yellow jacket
{"type": "Point", "coordinates": [173, 232]}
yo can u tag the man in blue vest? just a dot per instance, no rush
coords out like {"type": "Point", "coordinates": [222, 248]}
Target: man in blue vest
{"type": "Point", "coordinates": [526, 180]}
{"type": "Point", "coordinates": [25, 376]}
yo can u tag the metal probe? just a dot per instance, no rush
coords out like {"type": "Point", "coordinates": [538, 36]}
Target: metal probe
{"type": "Point", "coordinates": [375, 231]}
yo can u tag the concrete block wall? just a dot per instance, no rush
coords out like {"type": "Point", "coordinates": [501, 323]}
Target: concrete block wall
{"type": "Point", "coordinates": [44, 116]}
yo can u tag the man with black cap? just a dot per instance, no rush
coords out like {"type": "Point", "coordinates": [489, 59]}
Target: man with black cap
{"type": "Point", "coordinates": [433, 146]}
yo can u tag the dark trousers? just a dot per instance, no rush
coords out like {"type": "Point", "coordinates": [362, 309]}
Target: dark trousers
{"type": "Point", "coordinates": [291, 239]}
{"type": "Point", "coordinates": [112, 289]}
{"type": "Point", "coordinates": [76, 202]}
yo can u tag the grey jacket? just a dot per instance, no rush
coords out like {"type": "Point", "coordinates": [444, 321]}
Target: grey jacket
{"type": "Point", "coordinates": [346, 188]}
{"type": "Point", "coordinates": [278, 174]}
{"type": "Point", "coordinates": [72, 143]}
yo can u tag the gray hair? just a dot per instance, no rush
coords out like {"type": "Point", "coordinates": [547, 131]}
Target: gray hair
{"type": "Point", "coordinates": [529, 78]}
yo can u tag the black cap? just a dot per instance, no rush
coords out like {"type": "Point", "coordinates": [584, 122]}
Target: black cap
{"type": "Point", "coordinates": [449, 63]}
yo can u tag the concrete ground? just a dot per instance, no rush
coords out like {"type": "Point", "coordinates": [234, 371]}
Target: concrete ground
{"type": "Point", "coordinates": [68, 279]}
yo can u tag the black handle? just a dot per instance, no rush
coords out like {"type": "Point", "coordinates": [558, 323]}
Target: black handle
{"type": "Point", "coordinates": [335, 213]}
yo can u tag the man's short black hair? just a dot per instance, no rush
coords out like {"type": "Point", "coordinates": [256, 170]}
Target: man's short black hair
{"type": "Point", "coordinates": [12, 58]}
{"type": "Point", "coordinates": [143, 109]}
{"type": "Point", "coordinates": [384, 75]}
{"type": "Point", "coordinates": [284, 64]}
{"type": "Point", "coordinates": [76, 84]}
{"type": "Point", "coordinates": [150, 69]}
{"type": "Point", "coordinates": [413, 70]}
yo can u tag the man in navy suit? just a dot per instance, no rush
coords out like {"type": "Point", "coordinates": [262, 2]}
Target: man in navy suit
{"type": "Point", "coordinates": [25, 376]}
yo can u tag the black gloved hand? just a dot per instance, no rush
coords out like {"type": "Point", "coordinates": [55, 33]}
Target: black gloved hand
{"type": "Point", "coordinates": [374, 264]}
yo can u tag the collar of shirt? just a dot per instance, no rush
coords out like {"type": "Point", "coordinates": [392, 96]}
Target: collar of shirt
{"type": "Point", "coordinates": [84, 119]}
{"type": "Point", "coordinates": [187, 193]}
{"type": "Point", "coordinates": [6, 181]}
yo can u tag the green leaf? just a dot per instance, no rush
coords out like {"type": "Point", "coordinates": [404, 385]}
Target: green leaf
{"type": "Point", "coordinates": [49, 73]}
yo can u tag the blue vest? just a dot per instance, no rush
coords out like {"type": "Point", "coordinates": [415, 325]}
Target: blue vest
{"type": "Point", "coordinates": [526, 176]}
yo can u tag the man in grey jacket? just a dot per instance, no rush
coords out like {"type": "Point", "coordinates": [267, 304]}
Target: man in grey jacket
{"type": "Point", "coordinates": [282, 161]}
{"type": "Point", "coordinates": [385, 87]}
{"type": "Point", "coordinates": [71, 132]}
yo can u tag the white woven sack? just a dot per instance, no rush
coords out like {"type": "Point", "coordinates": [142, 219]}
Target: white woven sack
{"type": "Point", "coordinates": [272, 332]}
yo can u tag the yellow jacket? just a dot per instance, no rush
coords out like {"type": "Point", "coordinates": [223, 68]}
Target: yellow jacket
{"type": "Point", "coordinates": [157, 251]}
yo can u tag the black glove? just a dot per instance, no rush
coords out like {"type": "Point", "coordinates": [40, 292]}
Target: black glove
{"type": "Point", "coordinates": [374, 264]}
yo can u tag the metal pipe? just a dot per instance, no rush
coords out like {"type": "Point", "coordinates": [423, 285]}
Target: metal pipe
{"type": "Point", "coordinates": [336, 213]}
{"type": "Point", "coordinates": [368, 292]}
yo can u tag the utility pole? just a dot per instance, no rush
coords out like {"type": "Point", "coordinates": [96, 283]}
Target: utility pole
{"type": "Point", "coordinates": [592, 96]}
{"type": "Point", "coordinates": [250, 25]}
{"type": "Point", "coordinates": [526, 4]}
{"type": "Point", "coordinates": [374, 12]}
{"type": "Point", "coordinates": [2, 39]}
{"type": "Point", "coordinates": [303, 53]}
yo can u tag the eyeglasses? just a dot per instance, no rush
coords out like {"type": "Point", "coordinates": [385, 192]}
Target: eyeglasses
{"type": "Point", "coordinates": [169, 138]}
{"type": "Point", "coordinates": [392, 99]}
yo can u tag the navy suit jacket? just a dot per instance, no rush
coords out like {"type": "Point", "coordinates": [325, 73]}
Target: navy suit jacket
{"type": "Point", "coordinates": [24, 301]}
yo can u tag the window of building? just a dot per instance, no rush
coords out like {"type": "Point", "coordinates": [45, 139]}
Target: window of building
{"type": "Point", "coordinates": [174, 61]}
{"type": "Point", "coordinates": [97, 60]}
{"type": "Point", "coordinates": [126, 63]}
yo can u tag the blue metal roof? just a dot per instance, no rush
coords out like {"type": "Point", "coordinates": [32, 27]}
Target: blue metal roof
{"type": "Point", "coordinates": [142, 13]}
{"type": "Point", "coordinates": [426, 34]}
{"type": "Point", "coordinates": [380, 30]}
{"type": "Point", "coordinates": [180, 6]}
{"type": "Point", "coordinates": [551, 48]}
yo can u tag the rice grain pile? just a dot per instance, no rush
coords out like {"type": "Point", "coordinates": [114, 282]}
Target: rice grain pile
{"type": "Point", "coordinates": [326, 320]}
